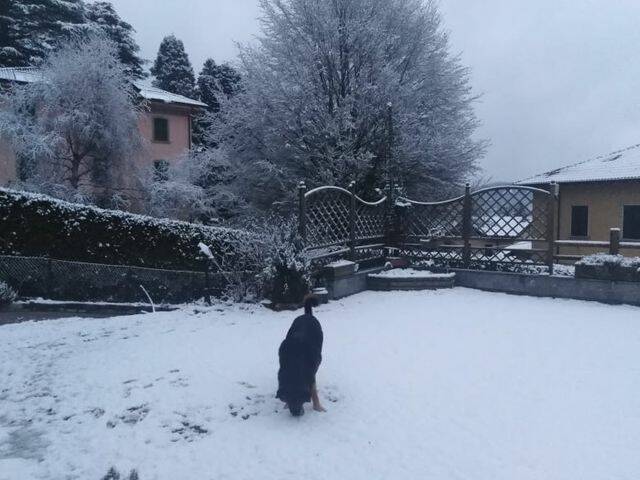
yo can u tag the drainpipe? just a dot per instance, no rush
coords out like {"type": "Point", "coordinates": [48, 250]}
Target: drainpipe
{"type": "Point", "coordinates": [559, 203]}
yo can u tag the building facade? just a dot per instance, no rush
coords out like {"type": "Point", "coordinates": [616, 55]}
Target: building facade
{"type": "Point", "coordinates": [593, 197]}
{"type": "Point", "coordinates": [165, 124]}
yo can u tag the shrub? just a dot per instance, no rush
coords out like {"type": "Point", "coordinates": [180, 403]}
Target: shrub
{"type": "Point", "coordinates": [37, 225]}
{"type": "Point", "coordinates": [7, 294]}
{"type": "Point", "coordinates": [285, 277]}
{"type": "Point", "coordinates": [278, 256]}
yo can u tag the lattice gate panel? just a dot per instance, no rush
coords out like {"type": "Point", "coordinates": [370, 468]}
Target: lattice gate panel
{"type": "Point", "coordinates": [327, 218]}
{"type": "Point", "coordinates": [369, 221]}
{"type": "Point", "coordinates": [433, 220]}
{"type": "Point", "coordinates": [507, 212]}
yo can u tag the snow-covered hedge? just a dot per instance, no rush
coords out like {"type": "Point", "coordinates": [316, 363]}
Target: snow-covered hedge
{"type": "Point", "coordinates": [602, 259]}
{"type": "Point", "coordinates": [609, 267]}
{"type": "Point", "coordinates": [38, 225]}
{"type": "Point", "coordinates": [7, 294]}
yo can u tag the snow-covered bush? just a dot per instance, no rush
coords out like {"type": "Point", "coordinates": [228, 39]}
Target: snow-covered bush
{"type": "Point", "coordinates": [7, 294]}
{"type": "Point", "coordinates": [609, 267]}
{"type": "Point", "coordinates": [196, 187]}
{"type": "Point", "coordinates": [285, 277]}
{"type": "Point", "coordinates": [603, 259]}
{"type": "Point", "coordinates": [277, 254]}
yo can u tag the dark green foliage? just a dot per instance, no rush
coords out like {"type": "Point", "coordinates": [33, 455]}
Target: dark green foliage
{"type": "Point", "coordinates": [37, 225]}
{"type": "Point", "coordinates": [30, 29]}
{"type": "Point", "coordinates": [172, 68]}
{"type": "Point", "coordinates": [104, 18]}
{"type": "Point", "coordinates": [216, 82]}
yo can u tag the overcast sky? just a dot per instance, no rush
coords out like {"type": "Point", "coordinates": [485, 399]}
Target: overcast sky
{"type": "Point", "coordinates": [560, 78]}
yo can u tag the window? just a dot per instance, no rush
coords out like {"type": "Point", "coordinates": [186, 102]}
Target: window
{"type": "Point", "coordinates": [631, 222]}
{"type": "Point", "coordinates": [160, 170]}
{"type": "Point", "coordinates": [160, 129]}
{"type": "Point", "coordinates": [579, 221]}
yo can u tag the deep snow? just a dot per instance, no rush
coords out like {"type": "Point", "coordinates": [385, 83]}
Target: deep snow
{"type": "Point", "coordinates": [418, 385]}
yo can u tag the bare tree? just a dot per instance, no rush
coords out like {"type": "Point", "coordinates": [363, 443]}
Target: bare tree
{"type": "Point", "coordinates": [76, 127]}
{"type": "Point", "coordinates": [315, 96]}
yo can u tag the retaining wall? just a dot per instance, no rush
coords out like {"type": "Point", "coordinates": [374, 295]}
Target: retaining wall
{"type": "Point", "coordinates": [550, 286]}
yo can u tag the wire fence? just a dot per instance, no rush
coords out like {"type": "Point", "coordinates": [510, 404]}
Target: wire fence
{"type": "Point", "coordinates": [81, 281]}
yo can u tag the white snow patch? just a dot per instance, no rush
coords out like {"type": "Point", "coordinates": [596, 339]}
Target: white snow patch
{"type": "Point", "coordinates": [410, 273]}
{"type": "Point", "coordinates": [340, 263]}
{"type": "Point", "coordinates": [445, 384]}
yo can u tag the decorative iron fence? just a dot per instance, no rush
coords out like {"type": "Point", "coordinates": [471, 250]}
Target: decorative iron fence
{"type": "Point", "coordinates": [80, 281]}
{"type": "Point", "coordinates": [489, 228]}
{"type": "Point", "coordinates": [334, 221]}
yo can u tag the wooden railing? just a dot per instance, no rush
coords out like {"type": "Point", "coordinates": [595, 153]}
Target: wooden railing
{"type": "Point", "coordinates": [613, 246]}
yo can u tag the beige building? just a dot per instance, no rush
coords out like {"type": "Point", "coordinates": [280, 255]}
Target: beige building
{"type": "Point", "coordinates": [593, 197]}
{"type": "Point", "coordinates": [165, 124]}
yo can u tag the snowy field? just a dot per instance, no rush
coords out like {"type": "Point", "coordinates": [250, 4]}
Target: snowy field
{"type": "Point", "coordinates": [455, 384]}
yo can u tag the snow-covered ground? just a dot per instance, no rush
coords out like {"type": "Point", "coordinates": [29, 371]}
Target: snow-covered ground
{"type": "Point", "coordinates": [455, 384]}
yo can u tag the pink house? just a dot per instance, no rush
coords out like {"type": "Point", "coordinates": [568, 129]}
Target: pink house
{"type": "Point", "coordinates": [165, 125]}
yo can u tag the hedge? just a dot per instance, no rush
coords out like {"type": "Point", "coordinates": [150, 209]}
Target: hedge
{"type": "Point", "coordinates": [38, 225]}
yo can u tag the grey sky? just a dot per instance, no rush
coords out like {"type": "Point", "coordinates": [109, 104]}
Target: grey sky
{"type": "Point", "coordinates": [559, 78]}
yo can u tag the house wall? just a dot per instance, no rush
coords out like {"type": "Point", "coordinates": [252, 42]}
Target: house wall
{"type": "Point", "coordinates": [605, 201]}
{"type": "Point", "coordinates": [179, 120]}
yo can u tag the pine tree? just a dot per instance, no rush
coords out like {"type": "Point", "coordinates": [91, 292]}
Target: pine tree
{"type": "Point", "coordinates": [104, 18]}
{"type": "Point", "coordinates": [215, 80]}
{"type": "Point", "coordinates": [172, 69]}
{"type": "Point", "coordinates": [33, 28]}
{"type": "Point", "coordinates": [9, 53]}
{"type": "Point", "coordinates": [215, 84]}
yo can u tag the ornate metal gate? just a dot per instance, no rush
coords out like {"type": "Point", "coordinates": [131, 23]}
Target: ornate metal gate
{"type": "Point", "coordinates": [335, 221]}
{"type": "Point", "coordinates": [492, 228]}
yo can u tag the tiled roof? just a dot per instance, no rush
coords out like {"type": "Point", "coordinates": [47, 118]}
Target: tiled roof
{"type": "Point", "coordinates": [32, 74]}
{"type": "Point", "coordinates": [620, 165]}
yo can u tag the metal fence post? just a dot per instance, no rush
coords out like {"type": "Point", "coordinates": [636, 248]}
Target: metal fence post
{"type": "Point", "coordinates": [49, 278]}
{"type": "Point", "coordinates": [352, 221]}
{"type": "Point", "coordinates": [614, 241]}
{"type": "Point", "coordinates": [207, 283]}
{"type": "Point", "coordinates": [466, 227]}
{"type": "Point", "coordinates": [551, 226]}
{"type": "Point", "coordinates": [302, 210]}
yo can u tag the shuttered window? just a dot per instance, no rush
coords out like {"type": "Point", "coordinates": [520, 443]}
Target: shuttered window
{"type": "Point", "coordinates": [579, 221]}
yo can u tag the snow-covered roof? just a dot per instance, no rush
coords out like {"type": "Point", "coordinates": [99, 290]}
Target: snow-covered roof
{"type": "Point", "coordinates": [620, 165]}
{"type": "Point", "coordinates": [32, 74]}
{"type": "Point", "coordinates": [155, 94]}
{"type": "Point", "coordinates": [20, 74]}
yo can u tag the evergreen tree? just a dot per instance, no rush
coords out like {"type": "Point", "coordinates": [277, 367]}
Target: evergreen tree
{"type": "Point", "coordinates": [104, 18]}
{"type": "Point", "coordinates": [172, 69]}
{"type": "Point", "coordinates": [9, 53]}
{"type": "Point", "coordinates": [216, 83]}
{"type": "Point", "coordinates": [216, 80]}
{"type": "Point", "coordinates": [33, 28]}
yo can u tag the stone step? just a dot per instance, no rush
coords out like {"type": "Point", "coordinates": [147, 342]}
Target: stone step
{"type": "Point", "coordinates": [380, 282]}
